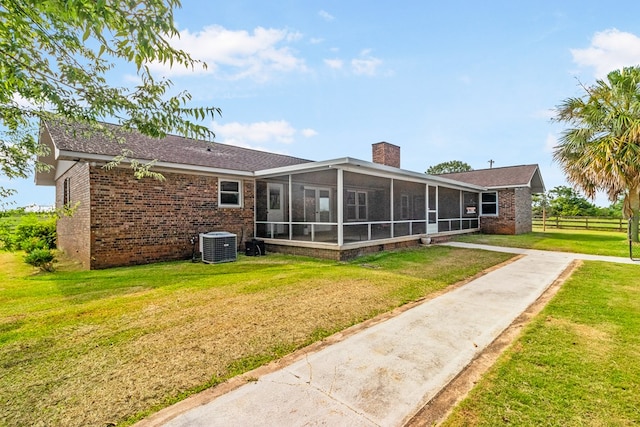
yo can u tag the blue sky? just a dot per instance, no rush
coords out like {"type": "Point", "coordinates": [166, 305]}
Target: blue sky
{"type": "Point", "coordinates": [459, 80]}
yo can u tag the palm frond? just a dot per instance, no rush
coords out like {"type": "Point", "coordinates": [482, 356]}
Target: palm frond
{"type": "Point", "coordinates": [600, 151]}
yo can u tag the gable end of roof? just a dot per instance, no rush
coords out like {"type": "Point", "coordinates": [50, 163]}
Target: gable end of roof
{"type": "Point", "coordinates": [504, 177]}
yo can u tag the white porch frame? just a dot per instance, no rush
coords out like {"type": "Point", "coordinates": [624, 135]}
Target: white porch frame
{"type": "Point", "coordinates": [380, 171]}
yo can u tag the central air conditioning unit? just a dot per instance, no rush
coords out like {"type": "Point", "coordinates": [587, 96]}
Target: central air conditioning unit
{"type": "Point", "coordinates": [218, 246]}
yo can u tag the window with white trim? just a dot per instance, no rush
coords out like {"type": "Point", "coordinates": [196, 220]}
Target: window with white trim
{"type": "Point", "coordinates": [229, 193]}
{"type": "Point", "coordinates": [356, 205]}
{"type": "Point", "coordinates": [489, 203]}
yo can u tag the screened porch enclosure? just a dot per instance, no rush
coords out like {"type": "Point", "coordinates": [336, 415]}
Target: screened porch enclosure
{"type": "Point", "coordinates": [342, 207]}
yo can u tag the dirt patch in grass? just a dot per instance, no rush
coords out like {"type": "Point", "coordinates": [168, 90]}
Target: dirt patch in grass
{"type": "Point", "coordinates": [597, 343]}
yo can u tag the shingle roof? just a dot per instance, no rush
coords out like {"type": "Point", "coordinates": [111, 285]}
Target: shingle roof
{"type": "Point", "coordinates": [171, 149]}
{"type": "Point", "coordinates": [511, 176]}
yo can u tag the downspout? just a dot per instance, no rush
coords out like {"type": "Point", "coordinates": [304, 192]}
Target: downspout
{"type": "Point", "coordinates": [340, 197]}
{"type": "Point", "coordinates": [461, 211]}
{"type": "Point", "coordinates": [426, 208]}
{"type": "Point", "coordinates": [391, 206]}
{"type": "Point", "coordinates": [290, 208]}
{"type": "Point", "coordinates": [437, 208]}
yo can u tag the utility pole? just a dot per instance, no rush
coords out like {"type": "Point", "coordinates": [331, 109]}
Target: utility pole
{"type": "Point", "coordinates": [491, 162]}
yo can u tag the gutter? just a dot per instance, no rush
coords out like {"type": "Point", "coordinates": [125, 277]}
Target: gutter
{"type": "Point", "coordinates": [72, 155]}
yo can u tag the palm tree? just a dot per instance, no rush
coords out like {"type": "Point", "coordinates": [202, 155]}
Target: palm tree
{"type": "Point", "coordinates": [601, 148]}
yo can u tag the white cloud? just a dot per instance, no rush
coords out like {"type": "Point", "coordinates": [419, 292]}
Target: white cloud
{"type": "Point", "coordinates": [134, 79]}
{"type": "Point", "coordinates": [22, 102]}
{"type": "Point", "coordinates": [238, 54]}
{"type": "Point", "coordinates": [253, 135]}
{"type": "Point", "coordinates": [326, 16]}
{"type": "Point", "coordinates": [316, 40]}
{"type": "Point", "coordinates": [609, 50]}
{"type": "Point", "coordinates": [550, 143]}
{"type": "Point", "coordinates": [365, 64]}
{"type": "Point", "coordinates": [336, 64]}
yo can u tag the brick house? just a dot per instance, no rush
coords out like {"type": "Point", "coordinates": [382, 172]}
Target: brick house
{"type": "Point", "coordinates": [512, 186]}
{"type": "Point", "coordinates": [334, 209]}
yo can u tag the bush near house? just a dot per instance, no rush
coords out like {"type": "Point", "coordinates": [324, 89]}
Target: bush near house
{"type": "Point", "coordinates": [27, 231]}
{"type": "Point", "coordinates": [41, 258]}
{"type": "Point", "coordinates": [35, 234]}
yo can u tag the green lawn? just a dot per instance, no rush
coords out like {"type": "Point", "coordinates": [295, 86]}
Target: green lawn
{"type": "Point", "coordinates": [108, 347]}
{"type": "Point", "coordinates": [576, 363]}
{"type": "Point", "coordinates": [578, 241]}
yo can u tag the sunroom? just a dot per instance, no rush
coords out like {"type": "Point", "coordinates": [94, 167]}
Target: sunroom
{"type": "Point", "coordinates": [346, 203]}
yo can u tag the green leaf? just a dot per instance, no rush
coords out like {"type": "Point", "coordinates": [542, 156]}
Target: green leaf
{"type": "Point", "coordinates": [48, 62]}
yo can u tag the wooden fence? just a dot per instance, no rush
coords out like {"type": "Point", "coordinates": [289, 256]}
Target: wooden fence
{"type": "Point", "coordinates": [582, 223]}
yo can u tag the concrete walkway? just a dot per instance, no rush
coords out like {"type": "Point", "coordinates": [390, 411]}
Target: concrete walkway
{"type": "Point", "coordinates": [383, 375]}
{"type": "Point", "coordinates": [572, 256]}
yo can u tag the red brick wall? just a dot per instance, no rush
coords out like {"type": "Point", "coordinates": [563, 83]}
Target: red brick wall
{"type": "Point", "coordinates": [73, 231]}
{"type": "Point", "coordinates": [505, 222]}
{"type": "Point", "coordinates": [142, 221]}
{"type": "Point", "coordinates": [386, 154]}
{"type": "Point", "coordinates": [524, 215]}
{"type": "Point", "coordinates": [514, 213]}
{"type": "Point", "coordinates": [343, 255]}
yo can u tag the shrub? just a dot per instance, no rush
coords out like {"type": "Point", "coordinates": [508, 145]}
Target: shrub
{"type": "Point", "coordinates": [32, 243]}
{"type": "Point", "coordinates": [7, 237]}
{"type": "Point", "coordinates": [32, 227]}
{"type": "Point", "coordinates": [41, 258]}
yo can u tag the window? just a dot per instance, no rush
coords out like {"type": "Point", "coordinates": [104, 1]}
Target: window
{"type": "Point", "coordinates": [404, 206]}
{"type": "Point", "coordinates": [229, 193]}
{"type": "Point", "coordinates": [274, 197]}
{"type": "Point", "coordinates": [66, 192]}
{"type": "Point", "coordinates": [356, 205]}
{"type": "Point", "coordinates": [489, 204]}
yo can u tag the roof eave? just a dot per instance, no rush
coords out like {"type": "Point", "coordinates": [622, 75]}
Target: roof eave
{"type": "Point", "coordinates": [101, 158]}
{"type": "Point", "coordinates": [347, 162]}
{"type": "Point", "coordinates": [534, 189]}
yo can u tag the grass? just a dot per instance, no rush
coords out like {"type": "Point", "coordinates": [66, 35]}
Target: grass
{"type": "Point", "coordinates": [111, 346]}
{"type": "Point", "coordinates": [576, 363]}
{"type": "Point", "coordinates": [578, 241]}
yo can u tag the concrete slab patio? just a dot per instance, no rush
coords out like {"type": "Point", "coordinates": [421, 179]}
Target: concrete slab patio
{"type": "Point", "coordinates": [383, 375]}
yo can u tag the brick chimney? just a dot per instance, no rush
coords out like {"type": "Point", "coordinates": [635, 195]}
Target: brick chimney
{"type": "Point", "coordinates": [386, 154]}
